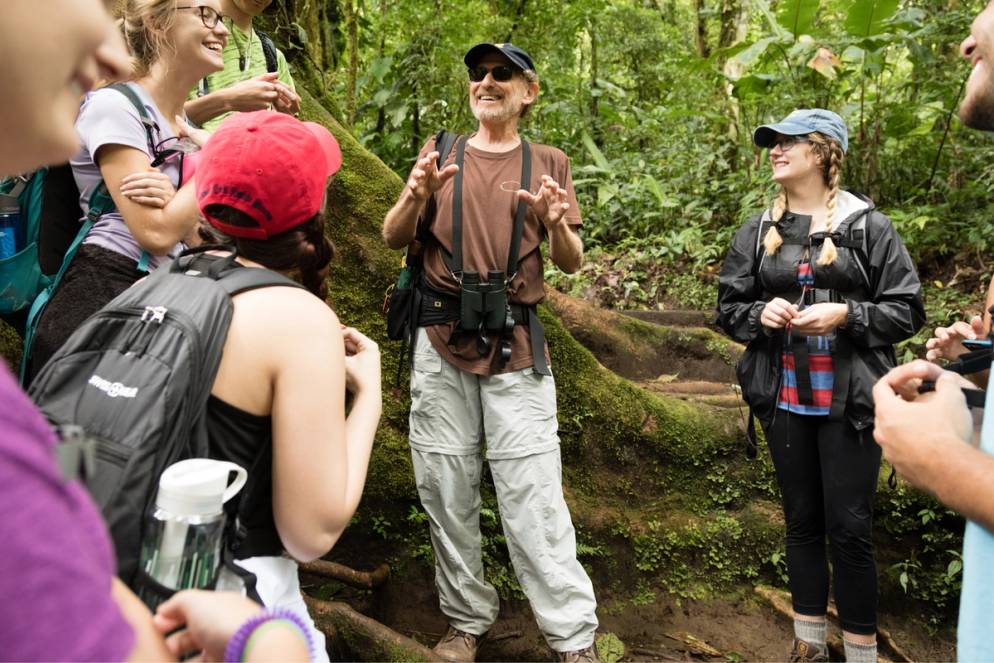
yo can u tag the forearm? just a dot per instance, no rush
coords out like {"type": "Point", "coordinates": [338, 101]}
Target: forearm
{"type": "Point", "coordinates": [158, 230]}
{"type": "Point", "coordinates": [565, 247]}
{"type": "Point", "coordinates": [206, 108]}
{"type": "Point", "coordinates": [360, 430]}
{"type": "Point", "coordinates": [961, 479]}
{"type": "Point", "coordinates": [401, 222]}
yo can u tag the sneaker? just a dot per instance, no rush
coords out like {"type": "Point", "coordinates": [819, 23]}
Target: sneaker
{"type": "Point", "coordinates": [458, 646]}
{"type": "Point", "coordinates": [586, 655]}
{"type": "Point", "coordinates": [807, 651]}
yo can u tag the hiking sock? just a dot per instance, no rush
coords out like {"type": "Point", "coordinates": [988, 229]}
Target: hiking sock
{"type": "Point", "coordinates": [811, 632]}
{"type": "Point", "coordinates": [858, 653]}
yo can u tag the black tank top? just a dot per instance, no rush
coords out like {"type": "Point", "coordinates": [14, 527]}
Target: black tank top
{"type": "Point", "coordinates": [247, 439]}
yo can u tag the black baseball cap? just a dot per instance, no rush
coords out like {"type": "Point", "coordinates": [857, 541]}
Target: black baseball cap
{"type": "Point", "coordinates": [517, 56]}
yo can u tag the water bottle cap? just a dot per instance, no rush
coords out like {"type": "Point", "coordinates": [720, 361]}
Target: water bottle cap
{"type": "Point", "coordinates": [198, 486]}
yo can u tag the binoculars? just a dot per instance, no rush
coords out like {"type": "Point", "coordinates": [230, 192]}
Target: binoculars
{"type": "Point", "coordinates": [483, 304]}
{"type": "Point", "coordinates": [483, 308]}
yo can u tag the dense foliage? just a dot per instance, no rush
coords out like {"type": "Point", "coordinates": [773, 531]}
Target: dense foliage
{"type": "Point", "coordinates": [655, 102]}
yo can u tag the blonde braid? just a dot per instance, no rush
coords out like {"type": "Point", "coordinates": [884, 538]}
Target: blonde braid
{"type": "Point", "coordinates": [833, 175]}
{"type": "Point", "coordinates": [773, 240]}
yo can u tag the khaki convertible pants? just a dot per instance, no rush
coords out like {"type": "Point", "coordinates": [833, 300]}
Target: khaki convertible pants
{"type": "Point", "coordinates": [451, 413]}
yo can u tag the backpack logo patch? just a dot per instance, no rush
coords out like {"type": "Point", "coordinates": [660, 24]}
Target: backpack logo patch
{"type": "Point", "coordinates": [112, 389]}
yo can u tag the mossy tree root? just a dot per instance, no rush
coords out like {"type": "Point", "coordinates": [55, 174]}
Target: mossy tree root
{"type": "Point", "coordinates": [365, 638]}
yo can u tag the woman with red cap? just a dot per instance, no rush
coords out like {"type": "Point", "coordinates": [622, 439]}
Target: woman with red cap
{"type": "Point", "coordinates": [278, 403]}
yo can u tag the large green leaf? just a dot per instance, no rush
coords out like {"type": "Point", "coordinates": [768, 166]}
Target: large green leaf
{"type": "Point", "coordinates": [595, 152]}
{"type": "Point", "coordinates": [867, 17]}
{"type": "Point", "coordinates": [797, 15]}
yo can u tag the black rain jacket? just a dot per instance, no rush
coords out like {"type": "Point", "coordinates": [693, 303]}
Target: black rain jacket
{"type": "Point", "coordinates": [885, 306]}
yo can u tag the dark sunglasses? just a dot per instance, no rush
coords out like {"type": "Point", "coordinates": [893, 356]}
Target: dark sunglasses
{"type": "Point", "coordinates": [173, 148]}
{"type": "Point", "coordinates": [209, 16]}
{"type": "Point", "coordinates": [500, 73]}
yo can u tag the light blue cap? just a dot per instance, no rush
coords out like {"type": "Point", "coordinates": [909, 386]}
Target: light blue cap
{"type": "Point", "coordinates": [804, 121]}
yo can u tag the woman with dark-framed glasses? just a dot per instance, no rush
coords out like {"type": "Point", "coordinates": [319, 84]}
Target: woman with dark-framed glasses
{"type": "Point", "coordinates": [134, 140]}
{"type": "Point", "coordinates": [820, 287]}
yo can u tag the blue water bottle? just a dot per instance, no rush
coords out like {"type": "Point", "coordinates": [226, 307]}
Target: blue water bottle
{"type": "Point", "coordinates": [10, 221]}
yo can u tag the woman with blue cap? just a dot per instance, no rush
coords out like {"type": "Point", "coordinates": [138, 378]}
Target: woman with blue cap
{"type": "Point", "coordinates": [820, 287]}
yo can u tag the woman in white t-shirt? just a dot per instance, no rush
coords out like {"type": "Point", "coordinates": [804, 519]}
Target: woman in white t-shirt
{"type": "Point", "coordinates": [173, 46]}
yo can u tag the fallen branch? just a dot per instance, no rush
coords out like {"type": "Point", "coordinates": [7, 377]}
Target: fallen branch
{"type": "Point", "coordinates": [366, 639]}
{"type": "Point", "coordinates": [349, 576]}
{"type": "Point", "coordinates": [695, 644]}
{"type": "Point", "coordinates": [652, 653]}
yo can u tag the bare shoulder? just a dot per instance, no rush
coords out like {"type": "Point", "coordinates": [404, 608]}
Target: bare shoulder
{"type": "Point", "coordinates": [282, 312]}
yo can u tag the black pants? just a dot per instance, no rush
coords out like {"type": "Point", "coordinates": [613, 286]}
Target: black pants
{"type": "Point", "coordinates": [95, 276]}
{"type": "Point", "coordinates": [827, 472]}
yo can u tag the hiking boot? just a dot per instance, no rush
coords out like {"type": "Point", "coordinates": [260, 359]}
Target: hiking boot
{"type": "Point", "coordinates": [585, 655]}
{"type": "Point", "coordinates": [458, 646]}
{"type": "Point", "coordinates": [807, 651]}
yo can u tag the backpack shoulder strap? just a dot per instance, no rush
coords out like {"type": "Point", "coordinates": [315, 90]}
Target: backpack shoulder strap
{"type": "Point", "coordinates": [856, 236]}
{"type": "Point", "coordinates": [269, 52]}
{"type": "Point", "coordinates": [444, 141]}
{"type": "Point", "coordinates": [764, 220]}
{"type": "Point", "coordinates": [150, 126]}
{"type": "Point", "coordinates": [519, 215]}
{"type": "Point", "coordinates": [242, 279]}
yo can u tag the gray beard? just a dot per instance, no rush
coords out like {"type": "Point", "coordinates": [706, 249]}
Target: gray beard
{"type": "Point", "coordinates": [977, 111]}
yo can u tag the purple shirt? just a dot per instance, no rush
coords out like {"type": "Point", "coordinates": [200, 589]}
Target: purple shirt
{"type": "Point", "coordinates": [57, 561]}
{"type": "Point", "coordinates": [108, 118]}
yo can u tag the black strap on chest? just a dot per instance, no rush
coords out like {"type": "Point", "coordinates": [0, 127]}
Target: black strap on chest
{"type": "Point", "coordinates": [437, 307]}
{"type": "Point", "coordinates": [456, 263]}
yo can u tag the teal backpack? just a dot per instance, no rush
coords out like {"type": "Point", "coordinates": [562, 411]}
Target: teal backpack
{"type": "Point", "coordinates": [25, 284]}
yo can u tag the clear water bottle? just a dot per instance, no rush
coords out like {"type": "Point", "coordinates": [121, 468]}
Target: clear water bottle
{"type": "Point", "coordinates": [10, 221]}
{"type": "Point", "coordinates": [182, 544]}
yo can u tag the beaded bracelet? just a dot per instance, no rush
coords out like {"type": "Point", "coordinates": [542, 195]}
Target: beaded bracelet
{"type": "Point", "coordinates": [238, 644]}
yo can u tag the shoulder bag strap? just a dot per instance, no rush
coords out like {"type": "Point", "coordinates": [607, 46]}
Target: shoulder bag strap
{"type": "Point", "coordinates": [519, 216]}
{"type": "Point", "coordinates": [456, 265]}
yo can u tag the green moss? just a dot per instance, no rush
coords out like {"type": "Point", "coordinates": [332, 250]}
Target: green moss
{"type": "Point", "coordinates": [10, 346]}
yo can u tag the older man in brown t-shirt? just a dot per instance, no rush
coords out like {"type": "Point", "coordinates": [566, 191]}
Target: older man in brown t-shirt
{"type": "Point", "coordinates": [467, 387]}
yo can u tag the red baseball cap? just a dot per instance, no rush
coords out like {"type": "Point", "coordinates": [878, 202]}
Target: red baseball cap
{"type": "Point", "coordinates": [268, 165]}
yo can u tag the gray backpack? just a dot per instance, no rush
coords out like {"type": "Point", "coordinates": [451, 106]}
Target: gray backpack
{"type": "Point", "coordinates": [136, 377]}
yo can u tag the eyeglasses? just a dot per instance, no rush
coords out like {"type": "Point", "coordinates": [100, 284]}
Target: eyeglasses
{"type": "Point", "coordinates": [209, 16]}
{"type": "Point", "coordinates": [786, 143]}
{"type": "Point", "coordinates": [500, 73]}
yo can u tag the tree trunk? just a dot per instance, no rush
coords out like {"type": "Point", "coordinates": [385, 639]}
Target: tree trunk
{"type": "Point", "coordinates": [352, 30]}
{"type": "Point", "coordinates": [701, 35]}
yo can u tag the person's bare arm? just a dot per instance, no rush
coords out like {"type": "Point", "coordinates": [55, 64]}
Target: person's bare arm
{"type": "Point", "coordinates": [926, 437]}
{"type": "Point", "coordinates": [566, 247]}
{"type": "Point", "coordinates": [320, 456]}
{"type": "Point", "coordinates": [550, 204]}
{"type": "Point", "coordinates": [258, 93]}
{"type": "Point", "coordinates": [157, 229]}
{"type": "Point", "coordinates": [401, 222]}
{"type": "Point", "coordinates": [149, 644]}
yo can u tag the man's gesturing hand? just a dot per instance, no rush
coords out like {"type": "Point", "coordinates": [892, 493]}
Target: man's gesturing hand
{"type": "Point", "coordinates": [549, 204]}
{"type": "Point", "coordinates": [425, 178]}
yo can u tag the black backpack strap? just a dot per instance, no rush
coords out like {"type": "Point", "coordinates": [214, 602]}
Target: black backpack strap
{"type": "Point", "coordinates": [243, 279]}
{"type": "Point", "coordinates": [456, 264]}
{"type": "Point", "coordinates": [444, 142]}
{"type": "Point", "coordinates": [519, 216]}
{"type": "Point", "coordinates": [269, 52]}
{"type": "Point", "coordinates": [150, 126]}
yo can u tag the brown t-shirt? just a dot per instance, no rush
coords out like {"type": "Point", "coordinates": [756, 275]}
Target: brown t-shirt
{"type": "Point", "coordinates": [490, 180]}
